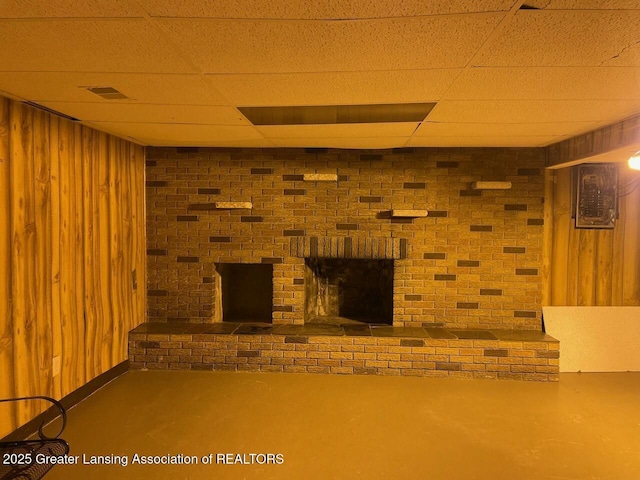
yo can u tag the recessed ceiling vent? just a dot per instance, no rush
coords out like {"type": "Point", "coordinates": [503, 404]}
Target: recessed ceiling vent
{"type": "Point", "coordinates": [51, 111]}
{"type": "Point", "coordinates": [337, 114]}
{"type": "Point", "coordinates": [108, 93]}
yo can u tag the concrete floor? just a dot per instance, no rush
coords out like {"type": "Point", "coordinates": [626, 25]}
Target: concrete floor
{"type": "Point", "coordinates": [343, 427]}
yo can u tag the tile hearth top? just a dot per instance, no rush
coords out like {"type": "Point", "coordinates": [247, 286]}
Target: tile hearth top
{"type": "Point", "coordinates": [256, 328]}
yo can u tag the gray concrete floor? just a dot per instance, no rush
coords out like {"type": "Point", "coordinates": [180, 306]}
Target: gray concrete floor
{"type": "Point", "coordinates": [343, 427]}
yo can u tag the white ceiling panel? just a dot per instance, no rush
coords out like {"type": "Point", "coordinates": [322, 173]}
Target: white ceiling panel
{"type": "Point", "coordinates": [532, 111]}
{"type": "Point", "coordinates": [399, 129]}
{"type": "Point", "coordinates": [68, 8]}
{"type": "Point", "coordinates": [484, 141]}
{"type": "Point", "coordinates": [547, 83]}
{"type": "Point", "coordinates": [559, 38]}
{"type": "Point", "coordinates": [114, 111]}
{"type": "Point", "coordinates": [180, 134]}
{"type": "Point", "coordinates": [429, 129]}
{"type": "Point", "coordinates": [220, 46]}
{"type": "Point", "coordinates": [335, 88]}
{"type": "Point", "coordinates": [542, 76]}
{"type": "Point", "coordinates": [304, 9]}
{"type": "Point", "coordinates": [129, 45]}
{"type": "Point", "coordinates": [587, 4]}
{"type": "Point", "coordinates": [341, 142]}
{"type": "Point", "coordinates": [167, 89]}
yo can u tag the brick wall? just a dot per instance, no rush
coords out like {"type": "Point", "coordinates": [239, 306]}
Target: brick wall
{"type": "Point", "coordinates": [473, 263]}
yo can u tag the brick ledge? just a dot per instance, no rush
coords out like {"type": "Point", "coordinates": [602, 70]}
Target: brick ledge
{"type": "Point", "coordinates": [517, 355]}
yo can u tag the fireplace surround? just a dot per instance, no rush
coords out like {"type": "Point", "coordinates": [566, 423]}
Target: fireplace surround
{"type": "Point", "coordinates": [473, 262]}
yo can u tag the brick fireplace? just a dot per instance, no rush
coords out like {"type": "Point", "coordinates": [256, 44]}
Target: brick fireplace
{"type": "Point", "coordinates": [351, 262]}
{"type": "Point", "coordinates": [472, 262]}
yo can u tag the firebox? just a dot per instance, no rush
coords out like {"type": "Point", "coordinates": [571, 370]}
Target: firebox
{"type": "Point", "coordinates": [244, 291]}
{"type": "Point", "coordinates": [346, 290]}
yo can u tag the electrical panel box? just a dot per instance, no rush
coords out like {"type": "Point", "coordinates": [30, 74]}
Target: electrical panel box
{"type": "Point", "coordinates": [597, 196]}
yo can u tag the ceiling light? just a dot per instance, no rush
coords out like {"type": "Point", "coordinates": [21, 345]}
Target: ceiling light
{"type": "Point", "coordinates": [634, 161]}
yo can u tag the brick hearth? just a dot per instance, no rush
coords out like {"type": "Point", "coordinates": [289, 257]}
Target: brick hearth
{"type": "Point", "coordinates": [358, 349]}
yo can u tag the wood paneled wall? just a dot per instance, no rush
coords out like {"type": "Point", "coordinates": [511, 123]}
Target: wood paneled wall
{"type": "Point", "coordinates": [72, 248]}
{"type": "Point", "coordinates": [591, 267]}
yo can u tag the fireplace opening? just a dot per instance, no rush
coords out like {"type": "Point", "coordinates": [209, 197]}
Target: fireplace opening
{"type": "Point", "coordinates": [348, 291]}
{"type": "Point", "coordinates": [245, 292]}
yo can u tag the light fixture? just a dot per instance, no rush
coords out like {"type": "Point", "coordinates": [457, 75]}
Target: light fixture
{"type": "Point", "coordinates": [634, 161]}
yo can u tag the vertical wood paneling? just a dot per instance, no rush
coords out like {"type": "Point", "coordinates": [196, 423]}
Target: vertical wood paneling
{"type": "Point", "coordinates": [618, 257]}
{"type": "Point", "coordinates": [604, 267]}
{"type": "Point", "coordinates": [78, 326]}
{"type": "Point", "coordinates": [631, 272]}
{"type": "Point", "coordinates": [7, 416]}
{"type": "Point", "coordinates": [547, 243]}
{"type": "Point", "coordinates": [115, 276]}
{"type": "Point", "coordinates": [586, 267]}
{"type": "Point", "coordinates": [56, 320]}
{"type": "Point", "coordinates": [71, 232]}
{"type": "Point", "coordinates": [138, 216]}
{"type": "Point", "coordinates": [125, 204]}
{"type": "Point", "coordinates": [44, 248]}
{"type": "Point", "coordinates": [92, 368]}
{"type": "Point", "coordinates": [104, 254]}
{"type": "Point", "coordinates": [594, 267]}
{"type": "Point", "coordinates": [22, 246]}
{"type": "Point", "coordinates": [561, 219]}
{"type": "Point", "coordinates": [67, 302]}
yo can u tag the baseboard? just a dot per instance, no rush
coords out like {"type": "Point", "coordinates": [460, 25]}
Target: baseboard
{"type": "Point", "coordinates": [75, 397]}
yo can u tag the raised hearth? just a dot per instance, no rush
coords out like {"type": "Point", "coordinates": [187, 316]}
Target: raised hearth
{"type": "Point", "coordinates": [349, 349]}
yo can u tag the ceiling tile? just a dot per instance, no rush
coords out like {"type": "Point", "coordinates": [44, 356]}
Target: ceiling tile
{"type": "Point", "coordinates": [587, 4]}
{"type": "Point", "coordinates": [292, 47]}
{"type": "Point", "coordinates": [532, 111]}
{"type": "Point", "coordinates": [484, 141]}
{"type": "Point", "coordinates": [298, 9]}
{"type": "Point", "coordinates": [335, 88]}
{"type": "Point", "coordinates": [550, 83]}
{"type": "Point", "coordinates": [165, 134]}
{"type": "Point", "coordinates": [129, 45]}
{"type": "Point", "coordinates": [339, 131]}
{"type": "Point", "coordinates": [430, 129]}
{"type": "Point", "coordinates": [68, 8]}
{"type": "Point", "coordinates": [341, 142]}
{"type": "Point", "coordinates": [115, 111]}
{"type": "Point", "coordinates": [560, 38]}
{"type": "Point", "coordinates": [165, 89]}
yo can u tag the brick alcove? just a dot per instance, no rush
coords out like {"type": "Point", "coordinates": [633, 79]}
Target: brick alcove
{"type": "Point", "coordinates": [243, 292]}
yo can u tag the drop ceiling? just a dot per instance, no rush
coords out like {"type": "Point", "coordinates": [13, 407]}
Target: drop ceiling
{"type": "Point", "coordinates": [500, 72]}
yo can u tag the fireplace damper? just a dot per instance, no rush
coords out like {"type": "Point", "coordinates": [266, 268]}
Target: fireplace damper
{"type": "Point", "coordinates": [246, 290]}
{"type": "Point", "coordinates": [344, 291]}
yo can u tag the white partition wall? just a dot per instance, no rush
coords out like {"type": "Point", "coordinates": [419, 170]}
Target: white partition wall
{"type": "Point", "coordinates": [595, 339]}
